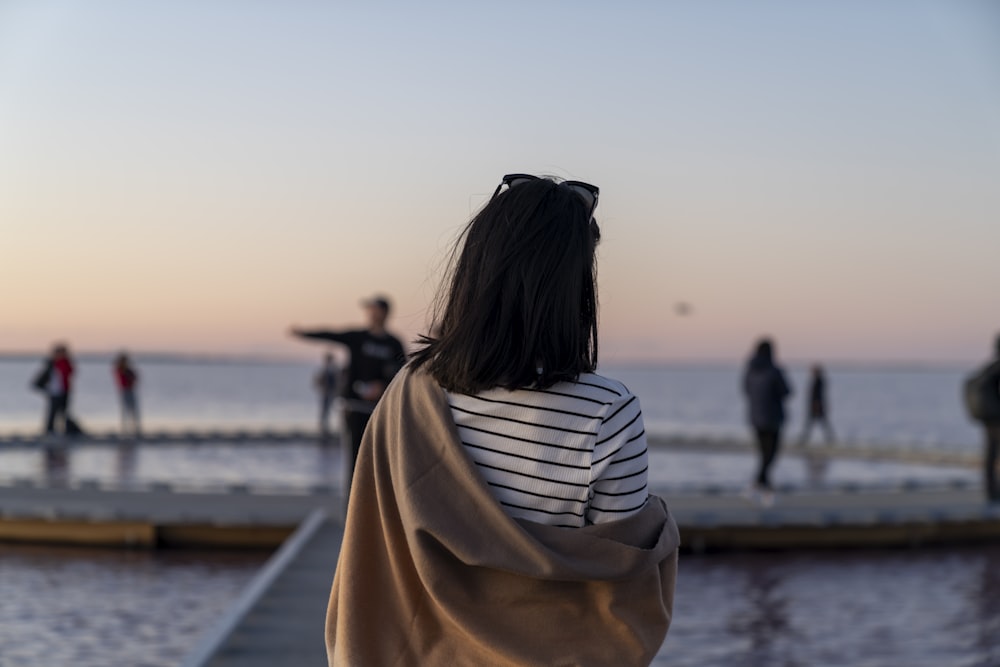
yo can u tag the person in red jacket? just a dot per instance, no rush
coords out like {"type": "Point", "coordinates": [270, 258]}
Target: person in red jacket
{"type": "Point", "coordinates": [127, 379]}
{"type": "Point", "coordinates": [58, 385]}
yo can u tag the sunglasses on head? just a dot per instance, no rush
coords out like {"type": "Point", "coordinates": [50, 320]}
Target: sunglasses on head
{"type": "Point", "coordinates": [587, 192]}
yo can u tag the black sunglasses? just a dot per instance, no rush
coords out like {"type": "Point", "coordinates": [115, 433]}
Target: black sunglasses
{"type": "Point", "coordinates": [587, 192]}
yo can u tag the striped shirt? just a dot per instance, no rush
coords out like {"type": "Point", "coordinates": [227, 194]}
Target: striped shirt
{"type": "Point", "coordinates": [569, 455]}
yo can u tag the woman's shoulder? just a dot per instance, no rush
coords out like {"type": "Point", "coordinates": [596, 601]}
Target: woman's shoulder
{"type": "Point", "coordinates": [601, 385]}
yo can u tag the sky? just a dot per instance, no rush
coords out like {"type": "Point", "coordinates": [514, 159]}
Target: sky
{"type": "Point", "coordinates": [198, 176]}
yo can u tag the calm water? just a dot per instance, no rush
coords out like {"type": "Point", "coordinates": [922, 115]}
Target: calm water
{"type": "Point", "coordinates": [931, 608]}
{"type": "Point", "coordinates": [898, 406]}
{"type": "Point", "coordinates": [105, 608]}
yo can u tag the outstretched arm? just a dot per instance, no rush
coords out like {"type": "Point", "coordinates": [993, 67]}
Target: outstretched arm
{"type": "Point", "coordinates": [319, 334]}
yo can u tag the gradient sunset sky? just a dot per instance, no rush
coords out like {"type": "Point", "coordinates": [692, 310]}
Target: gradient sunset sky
{"type": "Point", "coordinates": [198, 176]}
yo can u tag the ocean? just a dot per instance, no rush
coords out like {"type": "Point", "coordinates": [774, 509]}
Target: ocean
{"type": "Point", "coordinates": [887, 405]}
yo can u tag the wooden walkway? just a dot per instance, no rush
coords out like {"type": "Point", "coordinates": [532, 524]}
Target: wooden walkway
{"type": "Point", "coordinates": [244, 517]}
{"type": "Point", "coordinates": [278, 621]}
{"type": "Point", "coordinates": [836, 519]}
{"type": "Point", "coordinates": [154, 517]}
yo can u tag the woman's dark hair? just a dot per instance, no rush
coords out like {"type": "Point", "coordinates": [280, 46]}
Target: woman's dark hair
{"type": "Point", "coordinates": [519, 306]}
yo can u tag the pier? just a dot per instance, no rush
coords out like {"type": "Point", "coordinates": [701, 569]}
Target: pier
{"type": "Point", "coordinates": [279, 618]}
{"type": "Point", "coordinates": [711, 516]}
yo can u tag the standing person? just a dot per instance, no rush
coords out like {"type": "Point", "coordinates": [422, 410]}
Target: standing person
{"type": "Point", "coordinates": [766, 390]}
{"type": "Point", "coordinates": [500, 512]}
{"type": "Point", "coordinates": [326, 386]}
{"type": "Point", "coordinates": [56, 380]}
{"type": "Point", "coordinates": [816, 410]}
{"type": "Point", "coordinates": [126, 380]}
{"type": "Point", "coordinates": [376, 356]}
{"type": "Point", "coordinates": [982, 397]}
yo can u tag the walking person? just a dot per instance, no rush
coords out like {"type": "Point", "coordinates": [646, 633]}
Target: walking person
{"type": "Point", "coordinates": [816, 410]}
{"type": "Point", "coordinates": [500, 513]}
{"type": "Point", "coordinates": [56, 381]}
{"type": "Point", "coordinates": [766, 390]}
{"type": "Point", "coordinates": [982, 398]}
{"type": "Point", "coordinates": [127, 380]}
{"type": "Point", "coordinates": [326, 386]}
{"type": "Point", "coordinates": [375, 358]}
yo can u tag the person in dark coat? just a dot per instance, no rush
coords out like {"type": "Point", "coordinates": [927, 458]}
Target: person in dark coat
{"type": "Point", "coordinates": [766, 390]}
{"type": "Point", "coordinates": [56, 382]}
{"type": "Point", "coordinates": [988, 378]}
{"type": "Point", "coordinates": [816, 410]}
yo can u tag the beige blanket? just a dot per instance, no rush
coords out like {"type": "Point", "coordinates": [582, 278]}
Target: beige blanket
{"type": "Point", "coordinates": [433, 572]}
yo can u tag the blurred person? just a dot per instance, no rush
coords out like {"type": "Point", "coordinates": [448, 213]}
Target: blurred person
{"type": "Point", "coordinates": [500, 513]}
{"type": "Point", "coordinates": [376, 357]}
{"type": "Point", "coordinates": [127, 380]}
{"type": "Point", "coordinates": [326, 386]}
{"type": "Point", "coordinates": [982, 396]}
{"type": "Point", "coordinates": [56, 382]}
{"type": "Point", "coordinates": [816, 410]}
{"type": "Point", "coordinates": [766, 390]}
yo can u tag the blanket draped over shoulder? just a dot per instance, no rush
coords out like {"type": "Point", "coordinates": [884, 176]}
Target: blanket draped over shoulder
{"type": "Point", "coordinates": [432, 571]}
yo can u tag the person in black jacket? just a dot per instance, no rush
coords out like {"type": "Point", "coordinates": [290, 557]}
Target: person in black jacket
{"type": "Point", "coordinates": [988, 379]}
{"type": "Point", "coordinates": [766, 390]}
{"type": "Point", "coordinates": [376, 357]}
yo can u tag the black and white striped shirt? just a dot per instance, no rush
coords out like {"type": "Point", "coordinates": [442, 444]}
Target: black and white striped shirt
{"type": "Point", "coordinates": [569, 455]}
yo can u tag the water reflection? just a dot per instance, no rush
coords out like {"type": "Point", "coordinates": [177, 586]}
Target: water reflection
{"type": "Point", "coordinates": [817, 467]}
{"type": "Point", "coordinates": [763, 621]}
{"type": "Point", "coordinates": [328, 461]}
{"type": "Point", "coordinates": [987, 620]}
{"type": "Point", "coordinates": [126, 463]}
{"type": "Point", "coordinates": [305, 464]}
{"type": "Point", "coordinates": [55, 461]}
{"type": "Point", "coordinates": [919, 608]}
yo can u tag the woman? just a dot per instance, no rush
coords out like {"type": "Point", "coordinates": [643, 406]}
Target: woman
{"type": "Point", "coordinates": [766, 390]}
{"type": "Point", "coordinates": [499, 512]}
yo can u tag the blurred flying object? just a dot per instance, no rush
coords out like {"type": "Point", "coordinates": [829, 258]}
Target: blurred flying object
{"type": "Point", "coordinates": [682, 308]}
